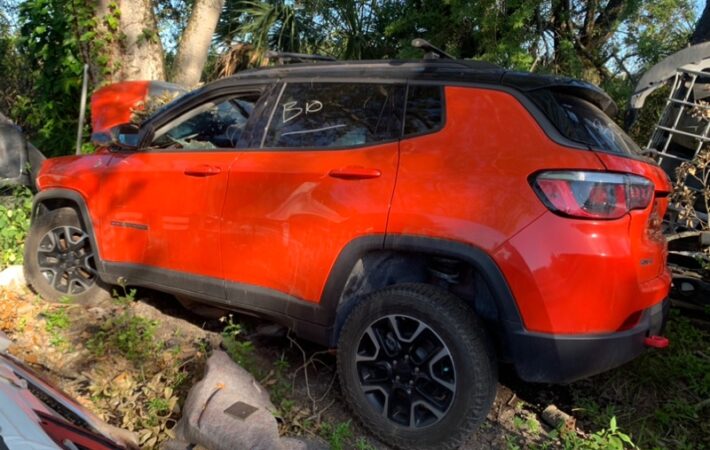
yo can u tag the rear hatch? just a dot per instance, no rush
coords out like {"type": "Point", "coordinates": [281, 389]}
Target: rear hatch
{"type": "Point", "coordinates": [580, 119]}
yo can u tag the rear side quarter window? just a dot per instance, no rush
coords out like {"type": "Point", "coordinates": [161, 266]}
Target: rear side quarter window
{"type": "Point", "coordinates": [424, 111]}
{"type": "Point", "coordinates": [584, 123]}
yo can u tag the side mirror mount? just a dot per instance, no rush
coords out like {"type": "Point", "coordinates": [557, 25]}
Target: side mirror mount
{"type": "Point", "coordinates": [124, 136]}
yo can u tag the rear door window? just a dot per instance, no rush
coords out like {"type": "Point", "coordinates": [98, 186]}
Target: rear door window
{"type": "Point", "coordinates": [333, 115]}
{"type": "Point", "coordinates": [581, 121]}
{"type": "Point", "coordinates": [424, 110]}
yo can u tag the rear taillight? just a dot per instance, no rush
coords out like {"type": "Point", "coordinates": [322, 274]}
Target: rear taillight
{"type": "Point", "coordinates": [592, 195]}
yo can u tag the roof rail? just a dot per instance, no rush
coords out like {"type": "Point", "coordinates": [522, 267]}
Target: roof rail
{"type": "Point", "coordinates": [286, 57]}
{"type": "Point", "coordinates": [431, 51]}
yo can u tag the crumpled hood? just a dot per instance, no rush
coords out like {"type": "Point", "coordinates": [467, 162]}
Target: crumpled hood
{"type": "Point", "coordinates": [113, 104]}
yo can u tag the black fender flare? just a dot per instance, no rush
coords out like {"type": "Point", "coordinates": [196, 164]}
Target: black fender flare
{"type": "Point", "coordinates": [470, 254]}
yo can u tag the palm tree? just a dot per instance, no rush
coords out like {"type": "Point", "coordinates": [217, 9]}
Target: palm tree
{"type": "Point", "coordinates": [269, 25]}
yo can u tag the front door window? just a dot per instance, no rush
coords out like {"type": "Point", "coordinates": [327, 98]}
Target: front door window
{"type": "Point", "coordinates": [213, 125]}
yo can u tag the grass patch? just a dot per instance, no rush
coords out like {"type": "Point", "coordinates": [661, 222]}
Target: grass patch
{"type": "Point", "coordinates": [239, 349]}
{"type": "Point", "coordinates": [127, 334]}
{"type": "Point", "coordinates": [663, 398]}
{"type": "Point", "coordinates": [131, 336]}
{"type": "Point", "coordinates": [338, 435]}
{"type": "Point", "coordinates": [57, 322]}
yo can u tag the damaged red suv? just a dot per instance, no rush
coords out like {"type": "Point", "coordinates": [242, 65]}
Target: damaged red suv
{"type": "Point", "coordinates": [428, 219]}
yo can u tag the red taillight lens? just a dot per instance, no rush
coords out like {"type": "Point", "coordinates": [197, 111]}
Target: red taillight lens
{"type": "Point", "coordinates": [593, 195]}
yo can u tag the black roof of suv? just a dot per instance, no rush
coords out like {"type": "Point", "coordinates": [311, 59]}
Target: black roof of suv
{"type": "Point", "coordinates": [429, 70]}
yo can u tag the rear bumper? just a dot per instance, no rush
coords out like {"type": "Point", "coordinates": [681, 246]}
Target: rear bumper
{"type": "Point", "coordinates": [563, 358]}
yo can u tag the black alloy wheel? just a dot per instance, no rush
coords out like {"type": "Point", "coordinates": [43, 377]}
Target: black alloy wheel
{"type": "Point", "coordinates": [416, 366]}
{"type": "Point", "coordinates": [406, 371]}
{"type": "Point", "coordinates": [60, 260]}
{"type": "Point", "coordinates": [65, 259]}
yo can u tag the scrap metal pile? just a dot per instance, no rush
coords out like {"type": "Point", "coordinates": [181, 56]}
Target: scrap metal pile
{"type": "Point", "coordinates": [680, 144]}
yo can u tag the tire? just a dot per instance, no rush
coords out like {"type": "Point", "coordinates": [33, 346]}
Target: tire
{"type": "Point", "coordinates": [458, 374]}
{"type": "Point", "coordinates": [56, 271]}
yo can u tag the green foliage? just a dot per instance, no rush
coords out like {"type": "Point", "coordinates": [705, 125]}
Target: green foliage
{"type": "Point", "coordinates": [57, 36]}
{"type": "Point", "coordinates": [127, 334]}
{"type": "Point", "coordinates": [606, 439]}
{"type": "Point", "coordinates": [13, 72]}
{"type": "Point", "coordinates": [347, 29]}
{"type": "Point", "coordinates": [49, 109]}
{"type": "Point", "coordinates": [337, 435]}
{"type": "Point", "coordinates": [661, 397]}
{"type": "Point", "coordinates": [158, 408]}
{"type": "Point", "coordinates": [273, 25]}
{"type": "Point", "coordinates": [362, 444]}
{"type": "Point", "coordinates": [15, 212]}
{"type": "Point", "coordinates": [660, 27]}
{"type": "Point", "coordinates": [603, 42]}
{"type": "Point", "coordinates": [57, 321]}
{"type": "Point", "coordinates": [611, 438]}
{"type": "Point", "coordinates": [501, 33]}
{"type": "Point", "coordinates": [280, 387]}
{"type": "Point", "coordinates": [240, 350]}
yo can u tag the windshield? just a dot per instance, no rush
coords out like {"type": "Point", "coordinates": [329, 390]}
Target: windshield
{"type": "Point", "coordinates": [581, 121]}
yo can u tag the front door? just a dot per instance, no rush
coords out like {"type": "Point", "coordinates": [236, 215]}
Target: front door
{"type": "Point", "coordinates": [323, 175]}
{"type": "Point", "coordinates": [164, 203]}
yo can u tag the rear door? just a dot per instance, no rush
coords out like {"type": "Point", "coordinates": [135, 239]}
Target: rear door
{"type": "Point", "coordinates": [324, 174]}
{"type": "Point", "coordinates": [164, 202]}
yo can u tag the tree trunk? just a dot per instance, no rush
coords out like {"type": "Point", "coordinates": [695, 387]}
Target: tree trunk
{"type": "Point", "coordinates": [142, 56]}
{"type": "Point", "coordinates": [702, 28]}
{"type": "Point", "coordinates": [195, 42]}
{"type": "Point", "coordinates": [131, 51]}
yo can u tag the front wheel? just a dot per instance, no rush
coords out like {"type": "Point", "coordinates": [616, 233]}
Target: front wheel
{"type": "Point", "coordinates": [60, 262]}
{"type": "Point", "coordinates": [416, 367]}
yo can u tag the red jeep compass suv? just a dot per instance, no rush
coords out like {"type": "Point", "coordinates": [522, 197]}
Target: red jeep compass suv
{"type": "Point", "coordinates": [428, 219]}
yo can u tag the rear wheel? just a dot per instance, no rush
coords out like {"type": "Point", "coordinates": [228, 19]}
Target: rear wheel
{"type": "Point", "coordinates": [60, 261]}
{"type": "Point", "coordinates": [415, 365]}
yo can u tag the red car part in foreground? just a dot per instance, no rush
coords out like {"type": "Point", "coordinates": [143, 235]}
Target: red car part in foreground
{"type": "Point", "coordinates": [34, 415]}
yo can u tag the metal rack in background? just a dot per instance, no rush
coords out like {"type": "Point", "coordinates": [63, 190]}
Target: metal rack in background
{"type": "Point", "coordinates": [683, 129]}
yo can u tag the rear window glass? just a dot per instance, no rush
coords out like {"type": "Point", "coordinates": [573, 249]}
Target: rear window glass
{"type": "Point", "coordinates": [322, 115]}
{"type": "Point", "coordinates": [424, 111]}
{"type": "Point", "coordinates": [581, 121]}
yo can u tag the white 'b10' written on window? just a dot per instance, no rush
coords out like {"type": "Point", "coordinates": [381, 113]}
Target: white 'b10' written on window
{"type": "Point", "coordinates": [291, 110]}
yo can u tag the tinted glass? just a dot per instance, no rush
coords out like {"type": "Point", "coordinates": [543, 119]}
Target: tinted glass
{"type": "Point", "coordinates": [581, 121]}
{"type": "Point", "coordinates": [212, 125]}
{"type": "Point", "coordinates": [425, 110]}
{"type": "Point", "coordinates": [321, 115]}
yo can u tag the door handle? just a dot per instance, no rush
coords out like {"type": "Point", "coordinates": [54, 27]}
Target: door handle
{"type": "Point", "coordinates": [355, 173]}
{"type": "Point", "coordinates": [203, 170]}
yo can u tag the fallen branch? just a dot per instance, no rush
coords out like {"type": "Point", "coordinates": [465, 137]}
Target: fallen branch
{"type": "Point", "coordinates": [557, 418]}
